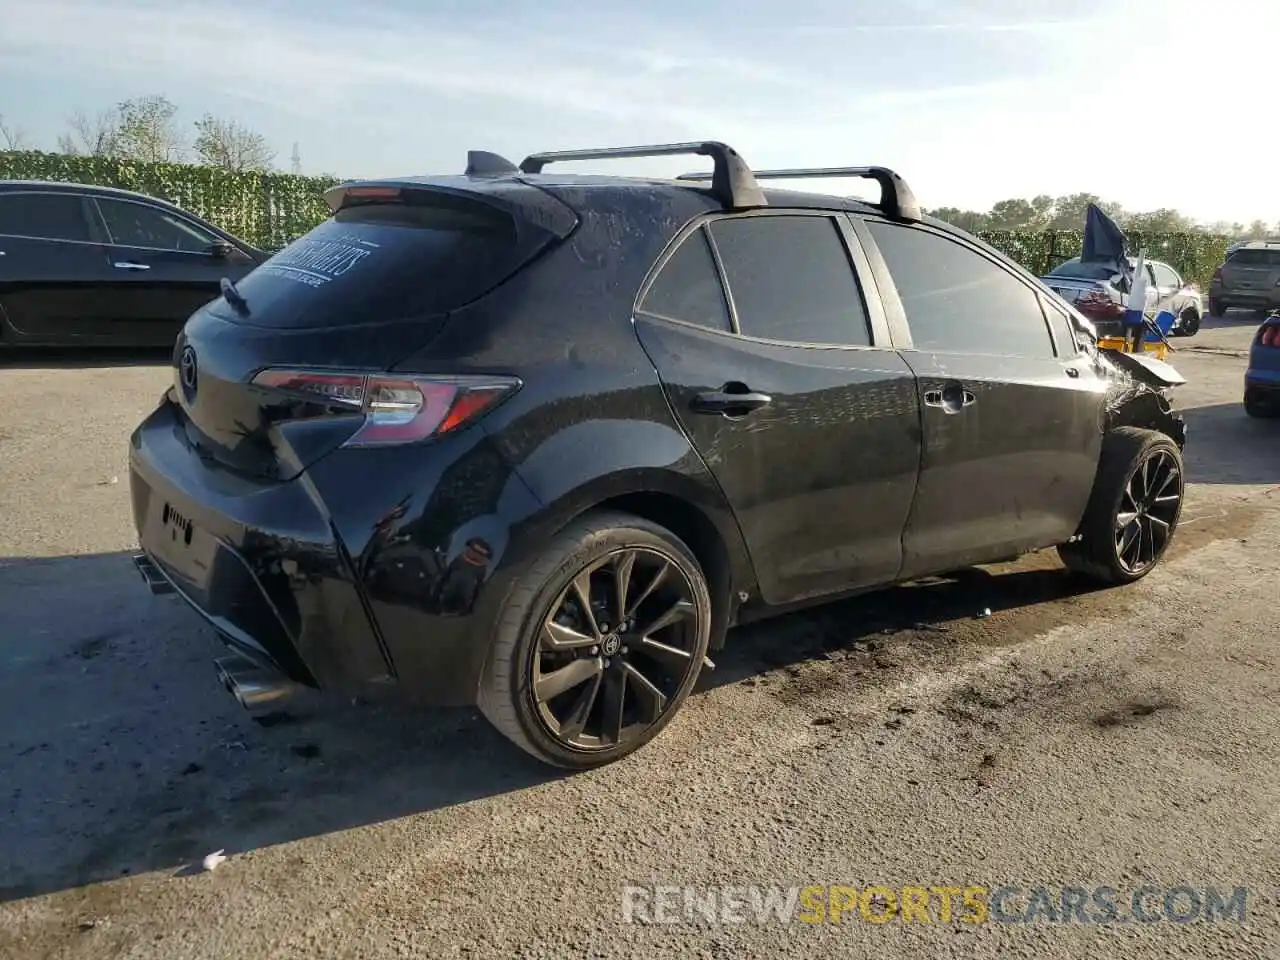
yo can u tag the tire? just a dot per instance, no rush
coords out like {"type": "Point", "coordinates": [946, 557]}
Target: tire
{"type": "Point", "coordinates": [1217, 308]}
{"type": "Point", "coordinates": [1105, 552]}
{"type": "Point", "coordinates": [1190, 324]}
{"type": "Point", "coordinates": [525, 659]}
{"type": "Point", "coordinates": [1261, 407]}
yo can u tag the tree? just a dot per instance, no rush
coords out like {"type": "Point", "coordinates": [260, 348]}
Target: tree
{"type": "Point", "coordinates": [12, 138]}
{"type": "Point", "coordinates": [225, 143]}
{"type": "Point", "coordinates": [96, 137]}
{"type": "Point", "coordinates": [1013, 214]}
{"type": "Point", "coordinates": [1069, 211]}
{"type": "Point", "coordinates": [148, 132]}
{"type": "Point", "coordinates": [1163, 220]}
{"type": "Point", "coordinates": [970, 220]}
{"type": "Point", "coordinates": [141, 129]}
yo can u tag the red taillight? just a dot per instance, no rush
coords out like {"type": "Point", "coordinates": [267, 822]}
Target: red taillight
{"type": "Point", "coordinates": [1270, 335]}
{"type": "Point", "coordinates": [1217, 276]}
{"type": "Point", "coordinates": [396, 409]}
{"type": "Point", "coordinates": [1098, 305]}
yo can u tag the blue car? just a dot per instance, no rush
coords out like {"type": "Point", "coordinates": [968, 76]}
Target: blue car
{"type": "Point", "coordinates": [1262, 379]}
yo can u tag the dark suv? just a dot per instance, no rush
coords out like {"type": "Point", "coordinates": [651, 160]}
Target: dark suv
{"type": "Point", "coordinates": [535, 442]}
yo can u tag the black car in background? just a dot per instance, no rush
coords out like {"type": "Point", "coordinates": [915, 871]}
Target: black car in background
{"type": "Point", "coordinates": [534, 442]}
{"type": "Point", "coordinates": [88, 265]}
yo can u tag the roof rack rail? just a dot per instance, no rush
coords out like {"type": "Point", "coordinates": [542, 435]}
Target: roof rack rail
{"type": "Point", "coordinates": [482, 163]}
{"type": "Point", "coordinates": [731, 181]}
{"type": "Point", "coordinates": [896, 198]}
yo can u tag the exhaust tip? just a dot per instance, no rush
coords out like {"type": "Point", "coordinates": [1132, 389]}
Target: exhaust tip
{"type": "Point", "coordinates": [156, 581]}
{"type": "Point", "coordinates": [253, 686]}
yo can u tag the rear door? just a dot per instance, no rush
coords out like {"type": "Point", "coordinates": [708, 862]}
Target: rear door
{"type": "Point", "coordinates": [163, 269]}
{"type": "Point", "coordinates": [1011, 412]}
{"type": "Point", "coordinates": [52, 267]}
{"type": "Point", "coordinates": [776, 360]}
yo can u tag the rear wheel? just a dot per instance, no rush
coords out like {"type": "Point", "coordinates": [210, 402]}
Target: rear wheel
{"type": "Point", "coordinates": [1216, 307]}
{"type": "Point", "coordinates": [1190, 324]}
{"type": "Point", "coordinates": [1260, 406]}
{"type": "Point", "coordinates": [1133, 510]}
{"type": "Point", "coordinates": [600, 644]}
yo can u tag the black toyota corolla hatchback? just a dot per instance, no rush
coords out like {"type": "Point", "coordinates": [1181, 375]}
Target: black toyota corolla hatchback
{"type": "Point", "coordinates": [535, 442]}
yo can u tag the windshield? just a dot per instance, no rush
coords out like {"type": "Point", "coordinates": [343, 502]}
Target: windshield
{"type": "Point", "coordinates": [1084, 271]}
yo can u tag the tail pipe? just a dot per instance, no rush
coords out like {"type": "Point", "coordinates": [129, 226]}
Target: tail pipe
{"type": "Point", "coordinates": [156, 581]}
{"type": "Point", "coordinates": [255, 687]}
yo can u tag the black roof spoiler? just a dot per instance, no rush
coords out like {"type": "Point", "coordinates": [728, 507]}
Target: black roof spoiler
{"type": "Point", "coordinates": [896, 198]}
{"type": "Point", "coordinates": [731, 181]}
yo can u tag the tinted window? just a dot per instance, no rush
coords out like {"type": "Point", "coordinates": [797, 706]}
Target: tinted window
{"type": "Point", "coordinates": [1063, 330]}
{"type": "Point", "coordinates": [791, 279]}
{"type": "Point", "coordinates": [388, 261]}
{"type": "Point", "coordinates": [688, 286]}
{"type": "Point", "coordinates": [1255, 258]}
{"type": "Point", "coordinates": [956, 299]}
{"type": "Point", "coordinates": [52, 216]}
{"type": "Point", "coordinates": [138, 225]}
{"type": "Point", "coordinates": [1165, 276]}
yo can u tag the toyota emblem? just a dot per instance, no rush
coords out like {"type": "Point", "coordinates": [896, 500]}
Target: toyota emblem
{"type": "Point", "coordinates": [187, 371]}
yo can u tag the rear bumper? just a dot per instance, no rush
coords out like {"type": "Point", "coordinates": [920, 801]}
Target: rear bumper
{"type": "Point", "coordinates": [1259, 298]}
{"type": "Point", "coordinates": [259, 561]}
{"type": "Point", "coordinates": [375, 571]}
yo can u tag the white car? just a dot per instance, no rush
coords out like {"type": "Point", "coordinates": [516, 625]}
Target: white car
{"type": "Point", "coordinates": [1095, 289]}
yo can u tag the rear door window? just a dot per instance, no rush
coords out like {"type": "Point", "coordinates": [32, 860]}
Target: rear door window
{"type": "Point", "coordinates": [958, 300]}
{"type": "Point", "coordinates": [133, 224]}
{"type": "Point", "coordinates": [388, 261]}
{"type": "Point", "coordinates": [688, 287]}
{"type": "Point", "coordinates": [791, 280]}
{"type": "Point", "coordinates": [46, 216]}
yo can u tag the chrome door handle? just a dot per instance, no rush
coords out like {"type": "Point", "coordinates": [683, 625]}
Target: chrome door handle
{"type": "Point", "coordinates": [130, 265]}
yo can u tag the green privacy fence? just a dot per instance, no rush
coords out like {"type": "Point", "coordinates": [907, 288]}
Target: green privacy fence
{"type": "Point", "coordinates": [271, 209]}
{"type": "Point", "coordinates": [266, 209]}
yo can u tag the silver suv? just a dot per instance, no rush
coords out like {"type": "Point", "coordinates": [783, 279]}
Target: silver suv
{"type": "Point", "coordinates": [1250, 278]}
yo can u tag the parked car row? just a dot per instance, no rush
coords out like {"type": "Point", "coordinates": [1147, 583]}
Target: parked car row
{"type": "Point", "coordinates": [1097, 291]}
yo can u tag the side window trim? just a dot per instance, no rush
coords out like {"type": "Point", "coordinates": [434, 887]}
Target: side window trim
{"type": "Point", "coordinates": [860, 220]}
{"type": "Point", "coordinates": [725, 290]}
{"type": "Point", "coordinates": [1070, 350]}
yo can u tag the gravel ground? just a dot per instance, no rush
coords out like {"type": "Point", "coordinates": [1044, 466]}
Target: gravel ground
{"type": "Point", "coordinates": [1108, 739]}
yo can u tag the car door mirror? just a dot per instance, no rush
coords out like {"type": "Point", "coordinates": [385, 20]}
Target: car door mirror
{"type": "Point", "coordinates": [221, 250]}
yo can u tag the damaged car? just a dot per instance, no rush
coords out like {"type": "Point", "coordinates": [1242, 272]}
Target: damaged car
{"type": "Point", "coordinates": [535, 441]}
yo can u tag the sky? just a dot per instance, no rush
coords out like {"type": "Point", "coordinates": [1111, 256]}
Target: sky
{"type": "Point", "coordinates": [1143, 102]}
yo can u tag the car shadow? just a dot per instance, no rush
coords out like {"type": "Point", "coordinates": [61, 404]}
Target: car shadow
{"type": "Point", "coordinates": [1227, 446]}
{"type": "Point", "coordinates": [124, 755]}
{"type": "Point", "coordinates": [931, 606]}
{"type": "Point", "coordinates": [73, 358]}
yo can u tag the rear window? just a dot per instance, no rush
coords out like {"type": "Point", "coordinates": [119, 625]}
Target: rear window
{"type": "Point", "coordinates": [388, 261]}
{"type": "Point", "coordinates": [1255, 258]}
{"type": "Point", "coordinates": [1074, 269]}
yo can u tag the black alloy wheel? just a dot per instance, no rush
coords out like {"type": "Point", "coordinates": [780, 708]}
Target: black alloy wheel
{"type": "Point", "coordinates": [599, 644]}
{"type": "Point", "coordinates": [1149, 509]}
{"type": "Point", "coordinates": [616, 647]}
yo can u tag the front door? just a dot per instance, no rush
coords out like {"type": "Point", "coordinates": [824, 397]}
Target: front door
{"type": "Point", "coordinates": [163, 269]}
{"type": "Point", "coordinates": [789, 392]}
{"type": "Point", "coordinates": [1011, 413]}
{"type": "Point", "coordinates": [52, 267]}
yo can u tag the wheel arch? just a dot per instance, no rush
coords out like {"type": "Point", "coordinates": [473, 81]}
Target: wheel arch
{"type": "Point", "coordinates": [1148, 409]}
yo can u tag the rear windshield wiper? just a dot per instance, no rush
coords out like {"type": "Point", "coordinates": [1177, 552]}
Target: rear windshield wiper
{"type": "Point", "coordinates": [234, 297]}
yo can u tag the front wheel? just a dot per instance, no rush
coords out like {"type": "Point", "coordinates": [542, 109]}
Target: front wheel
{"type": "Point", "coordinates": [1133, 510]}
{"type": "Point", "coordinates": [599, 644]}
{"type": "Point", "coordinates": [1190, 324]}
